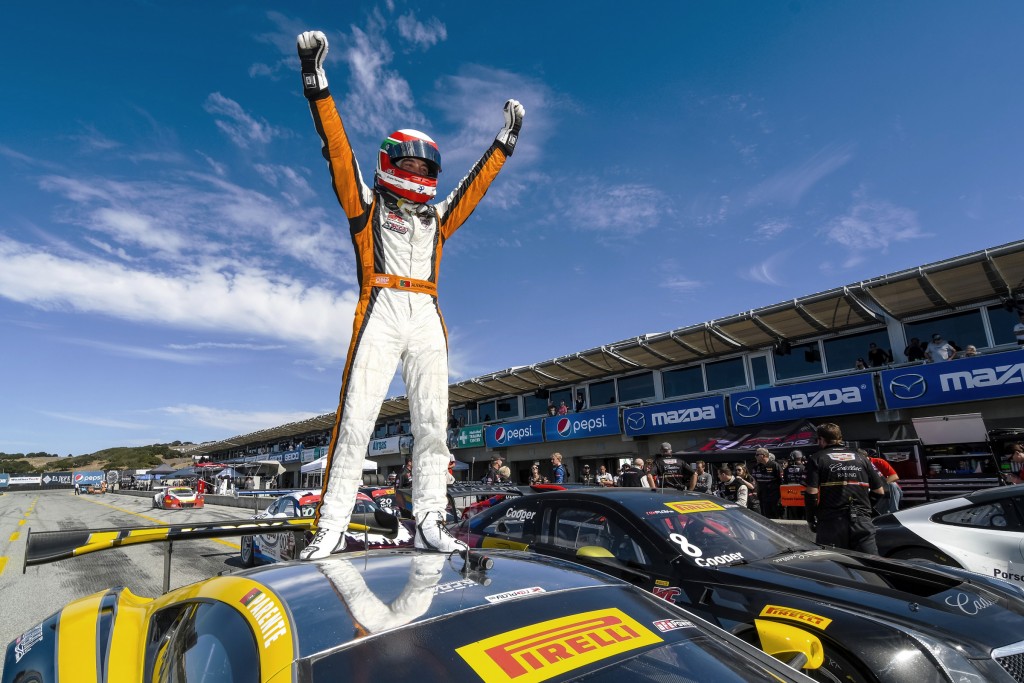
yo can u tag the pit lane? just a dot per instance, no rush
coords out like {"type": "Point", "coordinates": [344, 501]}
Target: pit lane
{"type": "Point", "coordinates": [26, 599]}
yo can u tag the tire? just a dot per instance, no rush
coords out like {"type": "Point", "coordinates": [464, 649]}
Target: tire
{"type": "Point", "coordinates": [920, 553]}
{"type": "Point", "coordinates": [247, 555]}
{"type": "Point", "coordinates": [838, 666]}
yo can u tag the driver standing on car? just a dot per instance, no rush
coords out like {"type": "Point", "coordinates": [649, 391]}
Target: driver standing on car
{"type": "Point", "coordinates": [398, 239]}
{"type": "Point", "coordinates": [842, 516]}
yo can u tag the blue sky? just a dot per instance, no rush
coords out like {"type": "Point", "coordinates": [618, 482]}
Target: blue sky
{"type": "Point", "coordinates": [174, 266]}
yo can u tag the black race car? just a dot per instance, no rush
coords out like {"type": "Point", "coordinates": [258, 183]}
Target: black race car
{"type": "Point", "coordinates": [394, 615]}
{"type": "Point", "coordinates": [880, 620]}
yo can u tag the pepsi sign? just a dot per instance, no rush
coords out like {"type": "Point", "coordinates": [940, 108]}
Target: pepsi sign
{"type": "Point", "coordinates": [676, 416]}
{"type": "Point", "coordinates": [601, 422]}
{"type": "Point", "coordinates": [841, 396]}
{"type": "Point", "coordinates": [87, 478]}
{"type": "Point", "coordinates": [514, 433]}
{"type": "Point", "coordinates": [965, 379]}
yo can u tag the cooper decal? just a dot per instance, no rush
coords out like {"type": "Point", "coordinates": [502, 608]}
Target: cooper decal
{"type": "Point", "coordinates": [796, 615]}
{"type": "Point", "coordinates": [557, 646]}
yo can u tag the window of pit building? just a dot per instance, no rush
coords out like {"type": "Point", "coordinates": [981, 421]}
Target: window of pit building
{"type": "Point", "coordinates": [636, 387]}
{"type": "Point", "coordinates": [842, 353]}
{"type": "Point", "coordinates": [682, 381]}
{"type": "Point", "coordinates": [601, 394]}
{"type": "Point", "coordinates": [802, 360]}
{"type": "Point", "coordinates": [533, 406]}
{"type": "Point", "coordinates": [507, 408]}
{"type": "Point", "coordinates": [560, 395]}
{"type": "Point", "coordinates": [725, 374]}
{"type": "Point", "coordinates": [962, 328]}
{"type": "Point", "coordinates": [485, 412]}
{"type": "Point", "coordinates": [1001, 322]}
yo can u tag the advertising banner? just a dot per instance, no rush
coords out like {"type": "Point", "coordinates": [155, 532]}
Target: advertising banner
{"type": "Point", "coordinates": [291, 456]}
{"type": "Point", "coordinates": [602, 422]}
{"type": "Point", "coordinates": [965, 379]}
{"type": "Point", "coordinates": [840, 396]}
{"type": "Point", "coordinates": [5, 480]}
{"type": "Point", "coordinates": [515, 433]}
{"type": "Point", "coordinates": [675, 416]}
{"type": "Point", "coordinates": [88, 478]}
{"type": "Point", "coordinates": [470, 437]}
{"type": "Point", "coordinates": [26, 480]}
{"type": "Point", "coordinates": [386, 446]}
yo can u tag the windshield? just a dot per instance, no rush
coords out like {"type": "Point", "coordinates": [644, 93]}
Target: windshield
{"type": "Point", "coordinates": [710, 534]}
{"type": "Point", "coordinates": [179, 492]}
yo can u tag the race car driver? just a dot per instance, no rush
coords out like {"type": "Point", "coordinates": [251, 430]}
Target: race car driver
{"type": "Point", "coordinates": [398, 240]}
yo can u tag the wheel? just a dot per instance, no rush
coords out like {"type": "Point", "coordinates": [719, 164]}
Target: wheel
{"type": "Point", "coordinates": [837, 667]}
{"type": "Point", "coordinates": [247, 554]}
{"type": "Point", "coordinates": [930, 554]}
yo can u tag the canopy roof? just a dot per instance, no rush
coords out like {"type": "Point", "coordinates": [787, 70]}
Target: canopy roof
{"type": "Point", "coordinates": [994, 275]}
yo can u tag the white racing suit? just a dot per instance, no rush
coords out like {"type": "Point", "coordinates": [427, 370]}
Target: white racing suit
{"type": "Point", "coordinates": [372, 613]}
{"type": "Point", "coordinates": [398, 247]}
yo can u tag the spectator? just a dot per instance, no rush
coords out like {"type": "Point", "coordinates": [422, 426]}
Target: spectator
{"type": "Point", "coordinates": [768, 476]}
{"type": "Point", "coordinates": [453, 431]}
{"type": "Point", "coordinates": [633, 475]}
{"type": "Point", "coordinates": [1018, 330]}
{"type": "Point", "coordinates": [890, 502]}
{"type": "Point", "coordinates": [794, 471]}
{"type": "Point", "coordinates": [563, 409]}
{"type": "Point", "coordinates": [558, 471]}
{"type": "Point", "coordinates": [743, 474]}
{"type": "Point", "coordinates": [939, 350]}
{"type": "Point", "coordinates": [580, 403]}
{"type": "Point", "coordinates": [405, 476]}
{"type": "Point", "coordinates": [672, 470]}
{"type": "Point", "coordinates": [704, 482]}
{"type": "Point", "coordinates": [535, 475]}
{"type": "Point", "coordinates": [842, 517]}
{"type": "Point", "coordinates": [604, 477]}
{"type": "Point", "coordinates": [971, 350]}
{"type": "Point", "coordinates": [1015, 457]}
{"type": "Point", "coordinates": [493, 474]}
{"type": "Point", "coordinates": [504, 475]}
{"type": "Point", "coordinates": [878, 357]}
{"type": "Point", "coordinates": [860, 365]}
{"type": "Point", "coordinates": [585, 476]}
{"type": "Point", "coordinates": [914, 350]}
{"type": "Point", "coordinates": [552, 410]}
{"type": "Point", "coordinates": [730, 487]}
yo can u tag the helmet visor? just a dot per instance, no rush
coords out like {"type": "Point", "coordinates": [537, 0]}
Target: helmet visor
{"type": "Point", "coordinates": [418, 149]}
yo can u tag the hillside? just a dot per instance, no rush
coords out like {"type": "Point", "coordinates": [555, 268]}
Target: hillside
{"type": "Point", "coordinates": [121, 458]}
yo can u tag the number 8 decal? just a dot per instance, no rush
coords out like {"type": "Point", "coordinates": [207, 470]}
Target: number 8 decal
{"type": "Point", "coordinates": [685, 546]}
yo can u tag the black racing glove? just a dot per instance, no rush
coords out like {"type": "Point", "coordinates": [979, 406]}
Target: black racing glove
{"type": "Point", "coordinates": [811, 510]}
{"type": "Point", "coordinates": [312, 50]}
{"type": "Point", "coordinates": [509, 135]}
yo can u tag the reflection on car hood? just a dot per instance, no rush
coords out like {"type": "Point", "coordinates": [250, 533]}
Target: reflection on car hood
{"type": "Point", "coordinates": [914, 595]}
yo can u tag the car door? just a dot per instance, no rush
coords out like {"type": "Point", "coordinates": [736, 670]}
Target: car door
{"type": "Point", "coordinates": [986, 537]}
{"type": "Point", "coordinates": [565, 527]}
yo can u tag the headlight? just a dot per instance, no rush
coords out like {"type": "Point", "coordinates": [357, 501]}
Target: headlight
{"type": "Point", "coordinates": [957, 667]}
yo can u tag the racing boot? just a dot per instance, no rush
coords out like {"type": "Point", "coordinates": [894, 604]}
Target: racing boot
{"type": "Point", "coordinates": [432, 534]}
{"type": "Point", "coordinates": [324, 544]}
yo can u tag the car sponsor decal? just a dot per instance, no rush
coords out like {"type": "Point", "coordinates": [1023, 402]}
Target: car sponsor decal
{"type": "Point", "coordinates": [557, 646]}
{"type": "Point", "coordinates": [801, 556]}
{"type": "Point", "coordinates": [667, 592]}
{"type": "Point", "coordinates": [841, 457]}
{"type": "Point", "coordinates": [796, 615]}
{"type": "Point", "coordinates": [672, 624]}
{"type": "Point", "coordinates": [1006, 576]}
{"type": "Point", "coordinates": [269, 617]}
{"type": "Point", "coordinates": [660, 582]}
{"type": "Point", "coordinates": [968, 603]}
{"type": "Point", "coordinates": [512, 595]}
{"type": "Point", "coordinates": [454, 586]}
{"type": "Point", "coordinates": [685, 508]}
{"type": "Point", "coordinates": [26, 640]}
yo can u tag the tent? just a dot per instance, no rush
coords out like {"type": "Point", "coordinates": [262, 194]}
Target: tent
{"type": "Point", "coordinates": [737, 444]}
{"type": "Point", "coordinates": [460, 466]}
{"type": "Point", "coordinates": [320, 463]}
{"type": "Point", "coordinates": [182, 473]}
{"type": "Point", "coordinates": [228, 473]}
{"type": "Point", "coordinates": [163, 468]}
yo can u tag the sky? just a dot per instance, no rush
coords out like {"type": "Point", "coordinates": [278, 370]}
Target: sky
{"type": "Point", "coordinates": [174, 265]}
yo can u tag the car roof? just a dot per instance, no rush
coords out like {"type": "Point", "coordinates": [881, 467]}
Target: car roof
{"type": "Point", "coordinates": [997, 493]}
{"type": "Point", "coordinates": [637, 500]}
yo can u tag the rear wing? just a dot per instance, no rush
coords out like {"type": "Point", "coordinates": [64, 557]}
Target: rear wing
{"type": "Point", "coordinates": [44, 547]}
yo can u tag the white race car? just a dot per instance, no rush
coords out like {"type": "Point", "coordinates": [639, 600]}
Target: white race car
{"type": "Point", "coordinates": [279, 547]}
{"type": "Point", "coordinates": [177, 497]}
{"type": "Point", "coordinates": [981, 532]}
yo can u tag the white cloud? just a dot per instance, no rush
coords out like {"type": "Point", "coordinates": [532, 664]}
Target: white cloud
{"type": "Point", "coordinates": [872, 225]}
{"type": "Point", "coordinates": [233, 347]}
{"type": "Point", "coordinates": [241, 127]}
{"type": "Point", "coordinates": [95, 421]}
{"type": "Point", "coordinates": [789, 185]}
{"type": "Point", "coordinates": [617, 210]}
{"type": "Point", "coordinates": [421, 34]}
{"type": "Point", "coordinates": [235, 422]}
{"type": "Point", "coordinates": [770, 229]}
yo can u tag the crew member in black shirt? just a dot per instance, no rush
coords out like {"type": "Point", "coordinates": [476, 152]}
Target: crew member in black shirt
{"type": "Point", "coordinates": [768, 476]}
{"type": "Point", "coordinates": [673, 471]}
{"type": "Point", "coordinates": [731, 487]}
{"type": "Point", "coordinates": [842, 516]}
{"type": "Point", "coordinates": [794, 472]}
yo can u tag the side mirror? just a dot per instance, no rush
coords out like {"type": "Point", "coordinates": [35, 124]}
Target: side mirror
{"type": "Point", "coordinates": [600, 555]}
{"type": "Point", "coordinates": [794, 646]}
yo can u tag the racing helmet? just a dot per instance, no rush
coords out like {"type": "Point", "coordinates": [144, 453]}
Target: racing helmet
{"type": "Point", "coordinates": [408, 143]}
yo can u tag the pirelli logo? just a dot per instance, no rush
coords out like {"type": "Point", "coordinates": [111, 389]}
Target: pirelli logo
{"type": "Point", "coordinates": [684, 508]}
{"type": "Point", "coordinates": [552, 648]}
{"type": "Point", "coordinates": [796, 615]}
